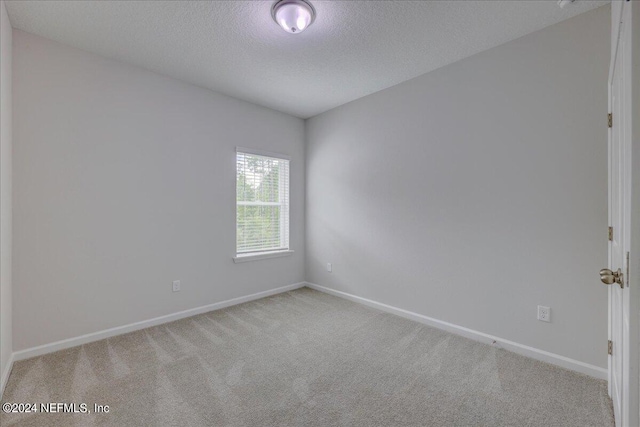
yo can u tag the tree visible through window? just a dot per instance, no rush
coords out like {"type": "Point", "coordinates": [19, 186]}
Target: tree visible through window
{"type": "Point", "coordinates": [262, 203]}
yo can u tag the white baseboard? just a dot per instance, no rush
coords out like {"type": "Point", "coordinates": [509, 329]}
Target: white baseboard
{"type": "Point", "coordinates": [522, 349]}
{"type": "Point", "coordinates": [534, 353]}
{"type": "Point", "coordinates": [5, 375]}
{"type": "Point", "coordinates": [119, 330]}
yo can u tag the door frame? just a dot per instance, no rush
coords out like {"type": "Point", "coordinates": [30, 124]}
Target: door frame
{"type": "Point", "coordinates": [617, 219]}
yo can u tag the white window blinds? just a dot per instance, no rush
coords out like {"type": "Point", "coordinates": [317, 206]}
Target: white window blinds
{"type": "Point", "coordinates": [262, 203]}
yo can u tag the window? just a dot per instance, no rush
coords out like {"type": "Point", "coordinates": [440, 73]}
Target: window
{"type": "Point", "coordinates": [262, 203]}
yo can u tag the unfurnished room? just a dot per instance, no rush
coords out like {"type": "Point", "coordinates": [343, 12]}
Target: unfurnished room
{"type": "Point", "coordinates": [320, 213]}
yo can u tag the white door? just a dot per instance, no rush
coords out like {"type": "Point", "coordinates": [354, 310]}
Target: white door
{"type": "Point", "coordinates": [619, 215]}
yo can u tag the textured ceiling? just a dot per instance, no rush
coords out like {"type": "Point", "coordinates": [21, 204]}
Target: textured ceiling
{"type": "Point", "coordinates": [354, 48]}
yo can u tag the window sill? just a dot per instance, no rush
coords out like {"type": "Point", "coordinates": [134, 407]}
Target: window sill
{"type": "Point", "coordinates": [259, 256]}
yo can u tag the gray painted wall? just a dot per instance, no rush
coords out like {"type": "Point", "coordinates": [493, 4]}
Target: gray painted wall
{"type": "Point", "coordinates": [124, 180]}
{"type": "Point", "coordinates": [5, 193]}
{"type": "Point", "coordinates": [473, 193]}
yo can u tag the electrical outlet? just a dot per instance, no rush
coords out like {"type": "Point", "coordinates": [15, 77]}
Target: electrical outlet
{"type": "Point", "coordinates": [329, 267]}
{"type": "Point", "coordinates": [544, 313]}
{"type": "Point", "coordinates": [176, 285]}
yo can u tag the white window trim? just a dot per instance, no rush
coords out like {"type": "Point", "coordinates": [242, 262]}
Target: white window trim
{"type": "Point", "coordinates": [262, 153]}
{"type": "Point", "coordinates": [256, 256]}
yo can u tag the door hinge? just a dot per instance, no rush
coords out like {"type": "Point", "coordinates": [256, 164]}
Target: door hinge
{"type": "Point", "coordinates": [627, 269]}
{"type": "Point", "coordinates": [609, 347]}
{"type": "Point", "coordinates": [610, 120]}
{"type": "Point", "coordinates": [610, 233]}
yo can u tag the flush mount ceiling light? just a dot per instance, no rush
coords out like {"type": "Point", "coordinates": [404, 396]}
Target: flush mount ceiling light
{"type": "Point", "coordinates": [294, 16]}
{"type": "Point", "coordinates": [563, 3]}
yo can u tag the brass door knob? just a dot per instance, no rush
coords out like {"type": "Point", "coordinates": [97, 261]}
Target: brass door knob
{"type": "Point", "coordinates": [609, 277]}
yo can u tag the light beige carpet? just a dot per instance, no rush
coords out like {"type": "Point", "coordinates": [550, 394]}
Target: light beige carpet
{"type": "Point", "coordinates": [303, 358]}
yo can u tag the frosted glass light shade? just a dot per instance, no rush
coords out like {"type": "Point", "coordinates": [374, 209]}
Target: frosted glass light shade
{"type": "Point", "coordinates": [294, 16]}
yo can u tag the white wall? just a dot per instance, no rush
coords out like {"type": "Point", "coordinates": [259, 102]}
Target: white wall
{"type": "Point", "coordinates": [5, 195]}
{"type": "Point", "coordinates": [473, 193]}
{"type": "Point", "coordinates": [124, 180]}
